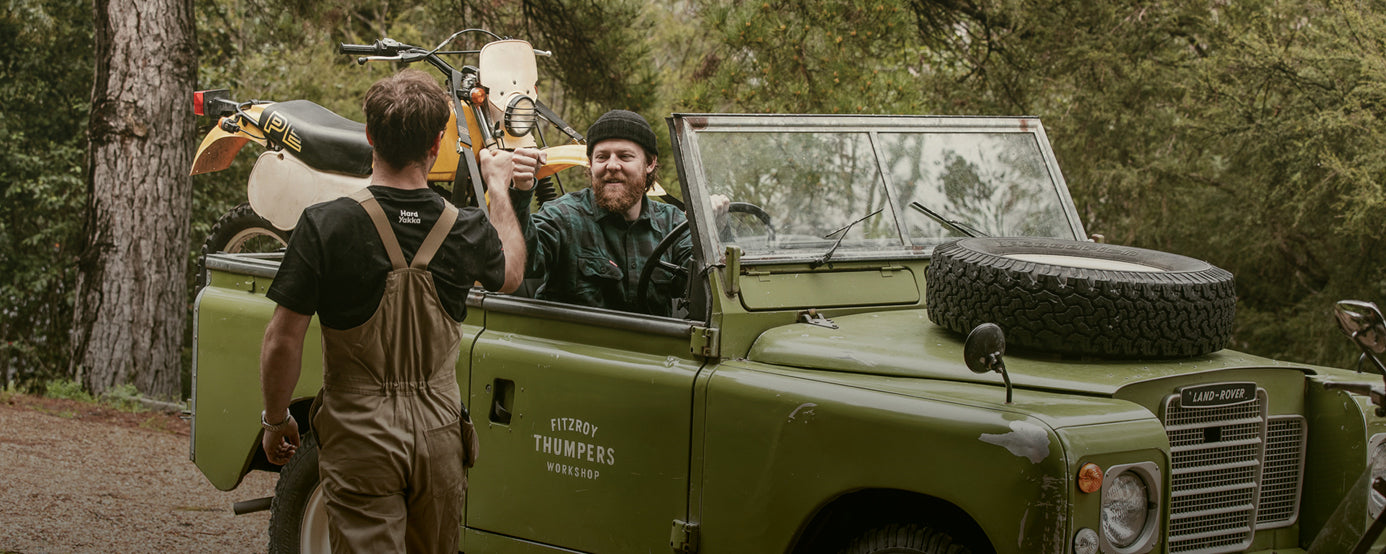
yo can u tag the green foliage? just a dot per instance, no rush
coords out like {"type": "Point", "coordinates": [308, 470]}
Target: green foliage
{"type": "Point", "coordinates": [45, 82]}
{"type": "Point", "coordinates": [11, 389]}
{"type": "Point", "coordinates": [1245, 133]}
{"type": "Point", "coordinates": [829, 56]}
{"type": "Point", "coordinates": [125, 398]}
{"type": "Point", "coordinates": [67, 389]}
{"type": "Point", "coordinates": [121, 397]}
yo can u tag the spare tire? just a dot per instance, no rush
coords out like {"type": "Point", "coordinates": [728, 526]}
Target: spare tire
{"type": "Point", "coordinates": [1081, 297]}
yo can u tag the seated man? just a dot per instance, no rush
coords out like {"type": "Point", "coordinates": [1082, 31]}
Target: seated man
{"type": "Point", "coordinates": [590, 246]}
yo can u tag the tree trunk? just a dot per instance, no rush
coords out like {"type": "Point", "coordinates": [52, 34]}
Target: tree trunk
{"type": "Point", "coordinates": [131, 304]}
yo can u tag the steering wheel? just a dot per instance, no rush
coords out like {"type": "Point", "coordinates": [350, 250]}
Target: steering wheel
{"type": "Point", "coordinates": [642, 286]}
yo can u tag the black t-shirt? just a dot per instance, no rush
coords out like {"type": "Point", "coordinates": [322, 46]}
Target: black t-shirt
{"type": "Point", "coordinates": [335, 264]}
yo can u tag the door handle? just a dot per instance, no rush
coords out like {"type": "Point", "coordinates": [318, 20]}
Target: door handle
{"type": "Point", "coordinates": [502, 400]}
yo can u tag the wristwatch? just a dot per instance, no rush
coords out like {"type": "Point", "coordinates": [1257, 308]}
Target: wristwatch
{"type": "Point", "coordinates": [276, 426]}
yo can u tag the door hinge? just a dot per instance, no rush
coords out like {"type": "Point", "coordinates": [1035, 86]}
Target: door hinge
{"type": "Point", "coordinates": [704, 342]}
{"type": "Point", "coordinates": [812, 317]}
{"type": "Point", "coordinates": [684, 538]}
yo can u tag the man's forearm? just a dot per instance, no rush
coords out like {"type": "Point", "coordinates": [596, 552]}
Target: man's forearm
{"type": "Point", "coordinates": [281, 357]}
{"type": "Point", "coordinates": [512, 239]}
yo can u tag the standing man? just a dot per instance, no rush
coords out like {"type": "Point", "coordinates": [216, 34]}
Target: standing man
{"type": "Point", "coordinates": [590, 246]}
{"type": "Point", "coordinates": [387, 271]}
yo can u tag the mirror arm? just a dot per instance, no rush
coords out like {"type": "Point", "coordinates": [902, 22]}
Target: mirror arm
{"type": "Point", "coordinates": [1005, 376]}
{"type": "Point", "coordinates": [1367, 355]}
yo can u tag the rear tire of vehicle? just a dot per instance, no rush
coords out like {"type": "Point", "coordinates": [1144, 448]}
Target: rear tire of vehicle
{"type": "Point", "coordinates": [1082, 298]}
{"type": "Point", "coordinates": [298, 513]}
{"type": "Point", "coordinates": [905, 539]}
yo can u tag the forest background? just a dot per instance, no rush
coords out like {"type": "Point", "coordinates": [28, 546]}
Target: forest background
{"type": "Point", "coordinates": [1245, 133]}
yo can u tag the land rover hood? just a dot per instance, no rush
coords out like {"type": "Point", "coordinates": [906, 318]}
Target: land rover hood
{"type": "Point", "coordinates": [906, 344]}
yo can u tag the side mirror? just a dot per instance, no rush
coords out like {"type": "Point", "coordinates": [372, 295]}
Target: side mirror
{"type": "Point", "coordinates": [1362, 322]}
{"type": "Point", "coordinates": [984, 350]}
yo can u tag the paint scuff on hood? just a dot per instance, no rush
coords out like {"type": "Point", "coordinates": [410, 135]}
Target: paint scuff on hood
{"type": "Point", "coordinates": [1026, 440]}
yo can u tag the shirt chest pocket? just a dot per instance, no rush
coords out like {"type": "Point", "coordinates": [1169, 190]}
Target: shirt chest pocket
{"type": "Point", "coordinates": [599, 269]}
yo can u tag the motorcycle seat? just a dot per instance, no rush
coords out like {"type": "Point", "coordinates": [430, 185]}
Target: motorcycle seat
{"type": "Point", "coordinates": [322, 139]}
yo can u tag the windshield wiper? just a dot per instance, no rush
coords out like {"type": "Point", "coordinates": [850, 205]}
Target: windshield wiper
{"type": "Point", "coordinates": [829, 254]}
{"type": "Point", "coordinates": [955, 226]}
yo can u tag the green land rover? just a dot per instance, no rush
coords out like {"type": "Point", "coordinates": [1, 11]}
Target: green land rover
{"type": "Point", "coordinates": [820, 392]}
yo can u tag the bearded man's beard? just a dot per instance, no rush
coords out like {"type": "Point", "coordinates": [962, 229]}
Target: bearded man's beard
{"type": "Point", "coordinates": [618, 197]}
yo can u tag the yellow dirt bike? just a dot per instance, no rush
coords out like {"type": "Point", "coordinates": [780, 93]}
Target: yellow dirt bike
{"type": "Point", "coordinates": [313, 155]}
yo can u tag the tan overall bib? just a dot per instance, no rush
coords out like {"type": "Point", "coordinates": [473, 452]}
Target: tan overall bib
{"type": "Point", "coordinates": [391, 448]}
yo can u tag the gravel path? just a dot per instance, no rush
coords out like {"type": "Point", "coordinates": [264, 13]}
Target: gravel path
{"type": "Point", "coordinates": [77, 477]}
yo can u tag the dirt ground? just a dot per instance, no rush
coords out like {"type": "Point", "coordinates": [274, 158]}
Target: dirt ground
{"type": "Point", "coordinates": [78, 477]}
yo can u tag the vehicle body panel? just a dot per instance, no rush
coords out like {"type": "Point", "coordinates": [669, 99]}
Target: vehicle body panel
{"type": "Point", "coordinates": [808, 381]}
{"type": "Point", "coordinates": [600, 417]}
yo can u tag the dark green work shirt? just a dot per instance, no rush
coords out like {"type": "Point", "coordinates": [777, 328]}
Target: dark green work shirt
{"type": "Point", "coordinates": [586, 255]}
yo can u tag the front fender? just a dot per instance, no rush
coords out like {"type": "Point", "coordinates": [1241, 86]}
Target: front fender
{"type": "Point", "coordinates": [782, 443]}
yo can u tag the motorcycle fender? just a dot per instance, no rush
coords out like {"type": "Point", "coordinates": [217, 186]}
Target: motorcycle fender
{"type": "Point", "coordinates": [561, 158]}
{"type": "Point", "coordinates": [219, 147]}
{"type": "Point", "coordinates": [281, 186]}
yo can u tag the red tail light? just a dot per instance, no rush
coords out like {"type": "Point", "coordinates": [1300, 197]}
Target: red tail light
{"type": "Point", "coordinates": [214, 103]}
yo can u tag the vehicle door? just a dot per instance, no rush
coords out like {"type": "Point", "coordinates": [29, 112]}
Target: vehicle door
{"type": "Point", "coordinates": [584, 419]}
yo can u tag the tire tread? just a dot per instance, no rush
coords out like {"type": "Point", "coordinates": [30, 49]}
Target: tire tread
{"type": "Point", "coordinates": [911, 538]}
{"type": "Point", "coordinates": [1083, 311]}
{"type": "Point", "coordinates": [297, 479]}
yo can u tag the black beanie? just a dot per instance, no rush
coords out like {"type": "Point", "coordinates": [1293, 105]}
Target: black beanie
{"type": "Point", "coordinates": [622, 124]}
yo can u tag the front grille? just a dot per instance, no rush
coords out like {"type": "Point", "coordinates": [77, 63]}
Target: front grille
{"type": "Point", "coordinates": [1284, 470]}
{"type": "Point", "coordinates": [1217, 456]}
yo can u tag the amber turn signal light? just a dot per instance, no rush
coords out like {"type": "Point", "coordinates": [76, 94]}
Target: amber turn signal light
{"type": "Point", "coordinates": [478, 96]}
{"type": "Point", "coordinates": [1089, 478]}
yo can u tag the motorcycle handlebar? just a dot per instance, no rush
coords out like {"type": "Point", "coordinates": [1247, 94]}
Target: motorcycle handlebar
{"type": "Point", "coordinates": [368, 49]}
{"type": "Point", "coordinates": [382, 47]}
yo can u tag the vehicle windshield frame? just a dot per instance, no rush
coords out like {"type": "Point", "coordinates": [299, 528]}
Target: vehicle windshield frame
{"type": "Point", "coordinates": [686, 130]}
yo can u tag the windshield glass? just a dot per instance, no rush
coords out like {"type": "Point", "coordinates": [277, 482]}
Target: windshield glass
{"type": "Point", "coordinates": [810, 184]}
{"type": "Point", "coordinates": [796, 191]}
{"type": "Point", "coordinates": [993, 182]}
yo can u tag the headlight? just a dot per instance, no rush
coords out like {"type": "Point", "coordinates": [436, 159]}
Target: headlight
{"type": "Point", "coordinates": [1124, 509]}
{"type": "Point", "coordinates": [1376, 460]}
{"type": "Point", "coordinates": [520, 115]}
{"type": "Point", "coordinates": [1130, 507]}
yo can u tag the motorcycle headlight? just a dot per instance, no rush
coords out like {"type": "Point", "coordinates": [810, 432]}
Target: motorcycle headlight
{"type": "Point", "coordinates": [1130, 507]}
{"type": "Point", "coordinates": [1376, 461]}
{"type": "Point", "coordinates": [520, 115]}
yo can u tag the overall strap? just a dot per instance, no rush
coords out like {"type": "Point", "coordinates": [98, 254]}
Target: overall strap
{"type": "Point", "coordinates": [382, 226]}
{"type": "Point", "coordinates": [435, 236]}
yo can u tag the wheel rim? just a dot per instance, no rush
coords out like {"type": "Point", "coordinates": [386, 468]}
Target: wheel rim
{"type": "Point", "coordinates": [254, 239]}
{"type": "Point", "coordinates": [312, 535]}
{"type": "Point", "coordinates": [1084, 262]}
